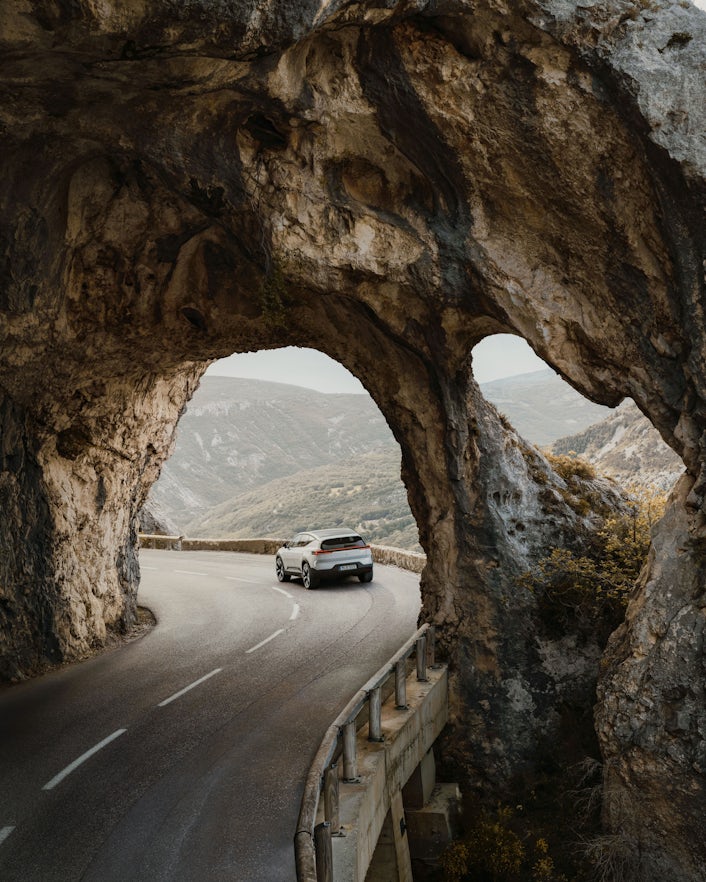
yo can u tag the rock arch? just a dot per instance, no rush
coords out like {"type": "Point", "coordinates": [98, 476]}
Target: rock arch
{"type": "Point", "coordinates": [388, 184]}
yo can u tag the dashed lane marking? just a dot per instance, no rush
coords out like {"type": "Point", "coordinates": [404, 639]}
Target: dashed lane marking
{"type": "Point", "coordinates": [239, 579]}
{"type": "Point", "coordinates": [57, 779]}
{"type": "Point", "coordinates": [282, 591]}
{"type": "Point", "coordinates": [263, 642]}
{"type": "Point", "coordinates": [295, 612]}
{"type": "Point", "coordinates": [4, 833]}
{"type": "Point", "coordinates": [190, 573]}
{"type": "Point", "coordinates": [189, 687]}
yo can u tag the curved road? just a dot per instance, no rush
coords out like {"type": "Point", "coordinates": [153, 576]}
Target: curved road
{"type": "Point", "coordinates": [182, 755]}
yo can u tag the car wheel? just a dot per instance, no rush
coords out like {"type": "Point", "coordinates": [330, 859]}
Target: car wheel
{"type": "Point", "coordinates": [366, 577]}
{"type": "Point", "coordinates": [282, 574]}
{"type": "Point", "coordinates": [309, 579]}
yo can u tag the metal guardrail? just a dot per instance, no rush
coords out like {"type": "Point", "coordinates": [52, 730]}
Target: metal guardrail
{"type": "Point", "coordinates": [312, 841]}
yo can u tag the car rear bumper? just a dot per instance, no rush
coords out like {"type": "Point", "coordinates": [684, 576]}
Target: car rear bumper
{"type": "Point", "coordinates": [340, 571]}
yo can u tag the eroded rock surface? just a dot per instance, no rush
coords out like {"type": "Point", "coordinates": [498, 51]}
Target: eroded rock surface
{"type": "Point", "coordinates": [388, 183]}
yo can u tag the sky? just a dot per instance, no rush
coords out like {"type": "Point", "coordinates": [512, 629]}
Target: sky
{"type": "Point", "coordinates": [502, 355]}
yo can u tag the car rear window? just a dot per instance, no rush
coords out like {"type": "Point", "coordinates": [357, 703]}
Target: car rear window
{"type": "Point", "coordinates": [342, 542]}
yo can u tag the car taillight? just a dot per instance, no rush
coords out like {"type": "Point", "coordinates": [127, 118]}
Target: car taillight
{"type": "Point", "coordinates": [343, 548]}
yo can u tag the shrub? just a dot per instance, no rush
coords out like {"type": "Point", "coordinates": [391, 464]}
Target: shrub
{"type": "Point", "coordinates": [543, 869]}
{"type": "Point", "coordinates": [490, 850]}
{"type": "Point", "coordinates": [454, 862]}
{"type": "Point", "coordinates": [496, 848]}
{"type": "Point", "coordinates": [585, 590]}
{"type": "Point", "coordinates": [274, 297]}
{"type": "Point", "coordinates": [613, 857]}
{"type": "Point", "coordinates": [571, 466]}
{"type": "Point", "coordinates": [679, 39]}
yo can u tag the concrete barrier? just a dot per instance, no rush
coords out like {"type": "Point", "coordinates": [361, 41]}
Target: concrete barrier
{"type": "Point", "coordinates": [383, 770]}
{"type": "Point", "coordinates": [378, 759]}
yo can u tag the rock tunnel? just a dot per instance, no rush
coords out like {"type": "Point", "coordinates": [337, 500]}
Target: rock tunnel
{"type": "Point", "coordinates": [387, 182]}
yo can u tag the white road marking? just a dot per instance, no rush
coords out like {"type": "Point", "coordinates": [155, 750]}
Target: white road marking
{"type": "Point", "coordinates": [295, 612]}
{"type": "Point", "coordinates": [189, 687]}
{"type": "Point", "coordinates": [266, 640]}
{"type": "Point", "coordinates": [190, 573]}
{"type": "Point", "coordinates": [282, 591]}
{"type": "Point", "coordinates": [57, 779]}
{"type": "Point", "coordinates": [4, 833]}
{"type": "Point", "coordinates": [148, 568]}
{"type": "Point", "coordinates": [238, 579]}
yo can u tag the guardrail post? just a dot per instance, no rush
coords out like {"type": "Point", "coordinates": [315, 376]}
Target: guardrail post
{"type": "Point", "coordinates": [431, 646]}
{"type": "Point", "coordinates": [422, 659]}
{"type": "Point", "coordinates": [350, 763]}
{"type": "Point", "coordinates": [305, 856]}
{"type": "Point", "coordinates": [375, 715]}
{"type": "Point", "coordinates": [331, 813]}
{"type": "Point", "coordinates": [324, 852]}
{"type": "Point", "coordinates": [401, 684]}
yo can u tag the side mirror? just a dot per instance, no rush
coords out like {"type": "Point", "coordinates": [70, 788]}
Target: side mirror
{"type": "Point", "coordinates": [286, 545]}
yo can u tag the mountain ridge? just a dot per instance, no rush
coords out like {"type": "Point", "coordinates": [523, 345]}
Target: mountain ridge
{"type": "Point", "coordinates": [240, 437]}
{"type": "Point", "coordinates": [626, 447]}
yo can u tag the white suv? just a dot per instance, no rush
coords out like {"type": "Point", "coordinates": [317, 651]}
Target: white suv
{"type": "Point", "coordinates": [324, 554]}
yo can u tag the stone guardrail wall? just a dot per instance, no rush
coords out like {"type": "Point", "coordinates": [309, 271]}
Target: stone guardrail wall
{"type": "Point", "coordinates": [398, 557]}
{"type": "Point", "coordinates": [382, 554]}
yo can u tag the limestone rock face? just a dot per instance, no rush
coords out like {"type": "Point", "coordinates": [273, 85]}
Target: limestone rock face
{"type": "Point", "coordinates": [387, 182]}
{"type": "Point", "coordinates": [153, 521]}
{"type": "Point", "coordinates": [513, 682]}
{"type": "Point", "coordinates": [651, 713]}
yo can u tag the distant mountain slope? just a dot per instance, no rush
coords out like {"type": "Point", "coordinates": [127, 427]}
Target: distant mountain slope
{"type": "Point", "coordinates": [627, 447]}
{"type": "Point", "coordinates": [364, 493]}
{"type": "Point", "coordinates": [238, 434]}
{"type": "Point", "coordinates": [542, 407]}
{"type": "Point", "coordinates": [241, 442]}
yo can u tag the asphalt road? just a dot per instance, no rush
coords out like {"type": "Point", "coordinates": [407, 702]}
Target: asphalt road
{"type": "Point", "coordinates": [182, 756]}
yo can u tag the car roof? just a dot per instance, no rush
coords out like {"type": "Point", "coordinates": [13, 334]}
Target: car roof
{"type": "Point", "coordinates": [329, 534]}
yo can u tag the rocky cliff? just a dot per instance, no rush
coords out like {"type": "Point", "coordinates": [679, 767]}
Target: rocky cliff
{"type": "Point", "coordinates": [626, 447]}
{"type": "Point", "coordinates": [388, 182]}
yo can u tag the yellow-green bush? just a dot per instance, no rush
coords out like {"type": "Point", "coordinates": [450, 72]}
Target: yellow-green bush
{"type": "Point", "coordinates": [571, 466]}
{"type": "Point", "coordinates": [274, 296]}
{"type": "Point", "coordinates": [497, 848]}
{"type": "Point", "coordinates": [543, 869]}
{"type": "Point", "coordinates": [587, 588]}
